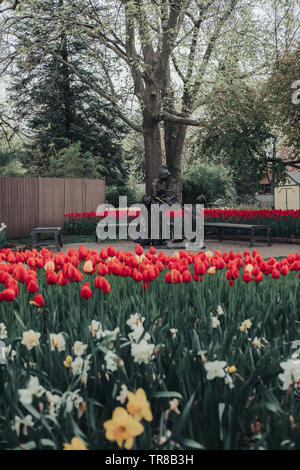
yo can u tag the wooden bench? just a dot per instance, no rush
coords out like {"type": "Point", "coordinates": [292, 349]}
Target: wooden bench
{"type": "Point", "coordinates": [253, 229]}
{"type": "Point", "coordinates": [38, 231]}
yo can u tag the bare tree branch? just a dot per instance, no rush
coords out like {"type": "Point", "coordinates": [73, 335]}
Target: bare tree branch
{"type": "Point", "coordinates": [181, 120]}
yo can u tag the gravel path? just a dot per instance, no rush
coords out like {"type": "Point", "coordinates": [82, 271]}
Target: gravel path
{"type": "Point", "coordinates": [276, 250]}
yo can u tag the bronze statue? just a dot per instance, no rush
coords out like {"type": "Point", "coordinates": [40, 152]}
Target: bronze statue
{"type": "Point", "coordinates": [158, 195]}
{"type": "Point", "coordinates": [158, 188]}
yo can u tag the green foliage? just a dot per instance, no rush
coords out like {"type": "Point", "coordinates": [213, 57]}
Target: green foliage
{"type": "Point", "coordinates": [11, 166]}
{"type": "Point", "coordinates": [238, 135]}
{"type": "Point", "coordinates": [2, 239]}
{"type": "Point", "coordinates": [284, 99]}
{"type": "Point", "coordinates": [213, 181]}
{"type": "Point", "coordinates": [113, 193]}
{"type": "Point", "coordinates": [58, 110]}
{"type": "Point", "coordinates": [71, 162]}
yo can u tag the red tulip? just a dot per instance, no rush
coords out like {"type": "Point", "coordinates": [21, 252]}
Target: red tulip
{"type": "Point", "coordinates": [111, 251]}
{"type": "Point", "coordinates": [8, 294]}
{"type": "Point", "coordinates": [19, 272]}
{"type": "Point", "coordinates": [82, 252]}
{"type": "Point", "coordinates": [275, 274]}
{"type": "Point", "coordinates": [51, 277]}
{"type": "Point", "coordinates": [259, 277]}
{"type": "Point", "coordinates": [38, 301]}
{"type": "Point", "coordinates": [103, 253]}
{"type": "Point", "coordinates": [186, 276]}
{"type": "Point", "coordinates": [295, 266]}
{"type": "Point", "coordinates": [85, 291]}
{"type": "Point", "coordinates": [247, 277]}
{"type": "Point", "coordinates": [291, 258]}
{"type": "Point", "coordinates": [139, 250]}
{"type": "Point", "coordinates": [61, 280]}
{"type": "Point", "coordinates": [102, 269]}
{"type": "Point", "coordinates": [176, 277]}
{"type": "Point", "coordinates": [284, 270]}
{"type": "Point", "coordinates": [32, 286]}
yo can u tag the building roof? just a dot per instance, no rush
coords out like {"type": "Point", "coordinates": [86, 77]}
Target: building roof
{"type": "Point", "coordinates": [295, 176]}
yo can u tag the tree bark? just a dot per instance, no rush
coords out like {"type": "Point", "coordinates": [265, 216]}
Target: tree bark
{"type": "Point", "coordinates": [153, 151]}
{"type": "Point", "coordinates": [174, 141]}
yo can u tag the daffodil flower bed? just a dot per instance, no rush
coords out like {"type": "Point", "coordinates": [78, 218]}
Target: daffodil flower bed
{"type": "Point", "coordinates": [114, 350]}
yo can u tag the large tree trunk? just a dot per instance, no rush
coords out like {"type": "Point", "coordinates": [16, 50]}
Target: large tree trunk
{"type": "Point", "coordinates": [152, 144]}
{"type": "Point", "coordinates": [174, 141]}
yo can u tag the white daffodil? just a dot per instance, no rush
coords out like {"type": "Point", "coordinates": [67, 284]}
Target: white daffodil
{"type": "Point", "coordinates": [291, 373]}
{"type": "Point", "coordinates": [137, 333]}
{"type": "Point", "coordinates": [215, 322]}
{"type": "Point", "coordinates": [173, 332]}
{"type": "Point", "coordinates": [10, 353]}
{"type": "Point", "coordinates": [94, 327]}
{"type": "Point", "coordinates": [111, 360]}
{"type": "Point", "coordinates": [77, 365]}
{"type": "Point", "coordinates": [256, 343]}
{"type": "Point", "coordinates": [228, 381]}
{"type": "Point", "coordinates": [76, 398]}
{"type": "Point", "coordinates": [79, 348]}
{"type": "Point", "coordinates": [220, 310]}
{"type": "Point", "coordinates": [135, 320]}
{"type": "Point", "coordinates": [27, 423]}
{"type": "Point", "coordinates": [57, 341]}
{"type": "Point", "coordinates": [123, 394]}
{"type": "Point", "coordinates": [30, 339]}
{"type": "Point", "coordinates": [85, 369]}
{"type": "Point", "coordinates": [55, 402]}
{"type": "Point", "coordinates": [215, 369]}
{"type": "Point", "coordinates": [33, 389]}
{"type": "Point", "coordinates": [3, 331]}
{"type": "Point", "coordinates": [142, 351]}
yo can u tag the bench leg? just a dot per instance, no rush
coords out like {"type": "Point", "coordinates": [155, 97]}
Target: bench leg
{"type": "Point", "coordinates": [59, 239]}
{"type": "Point", "coordinates": [57, 244]}
{"type": "Point", "coordinates": [252, 238]}
{"type": "Point", "coordinates": [269, 237]}
{"type": "Point", "coordinates": [33, 243]}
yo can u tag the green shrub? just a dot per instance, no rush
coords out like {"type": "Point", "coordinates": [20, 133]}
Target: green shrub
{"type": "Point", "coordinates": [212, 181]}
{"type": "Point", "coordinates": [113, 193]}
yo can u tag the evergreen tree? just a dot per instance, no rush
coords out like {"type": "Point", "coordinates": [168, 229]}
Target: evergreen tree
{"type": "Point", "coordinates": [57, 111]}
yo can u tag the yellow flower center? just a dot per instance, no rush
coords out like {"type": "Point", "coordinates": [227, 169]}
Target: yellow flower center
{"type": "Point", "coordinates": [121, 433]}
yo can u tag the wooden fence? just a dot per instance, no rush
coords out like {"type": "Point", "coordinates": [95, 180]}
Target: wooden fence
{"type": "Point", "coordinates": [26, 203]}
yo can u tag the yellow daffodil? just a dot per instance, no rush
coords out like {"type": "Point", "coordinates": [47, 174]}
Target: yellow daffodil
{"type": "Point", "coordinates": [76, 444]}
{"type": "Point", "coordinates": [245, 325]}
{"type": "Point", "coordinates": [138, 406]}
{"type": "Point", "coordinates": [68, 361]}
{"type": "Point", "coordinates": [122, 427]}
{"type": "Point", "coordinates": [232, 369]}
